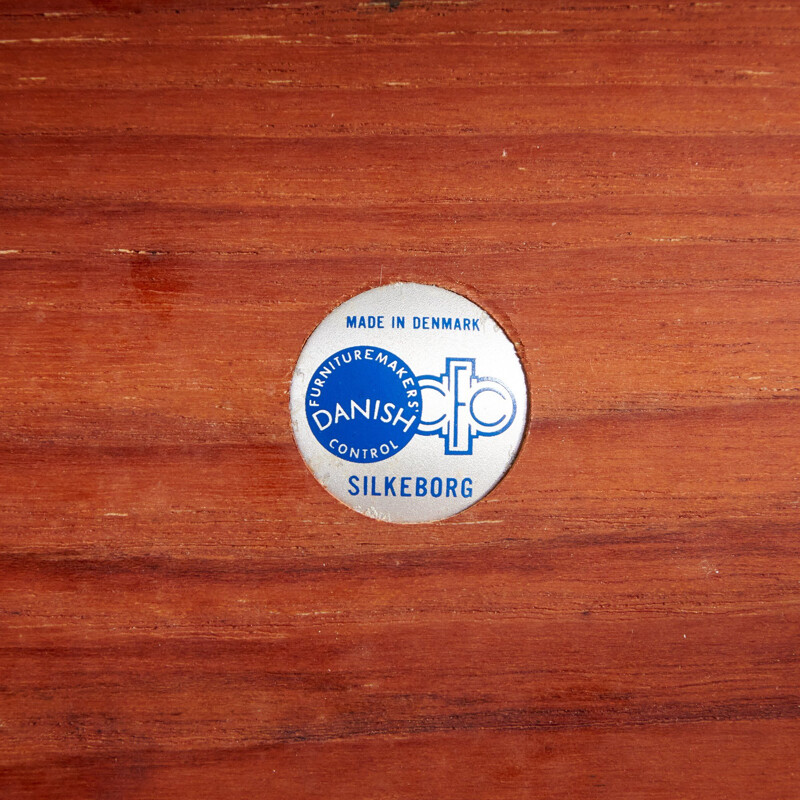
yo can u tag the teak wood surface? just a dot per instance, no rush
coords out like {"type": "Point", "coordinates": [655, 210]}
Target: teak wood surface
{"type": "Point", "coordinates": [188, 189]}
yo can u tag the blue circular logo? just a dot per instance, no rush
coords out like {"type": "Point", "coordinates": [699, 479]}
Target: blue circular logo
{"type": "Point", "coordinates": [363, 404]}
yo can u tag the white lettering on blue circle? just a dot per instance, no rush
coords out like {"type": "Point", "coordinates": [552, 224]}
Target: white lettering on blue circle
{"type": "Point", "coordinates": [363, 404]}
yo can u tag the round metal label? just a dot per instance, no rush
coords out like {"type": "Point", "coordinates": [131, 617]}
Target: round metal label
{"type": "Point", "coordinates": [408, 403]}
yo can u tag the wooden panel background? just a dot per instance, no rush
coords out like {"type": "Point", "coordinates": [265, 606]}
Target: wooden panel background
{"type": "Point", "coordinates": [186, 191]}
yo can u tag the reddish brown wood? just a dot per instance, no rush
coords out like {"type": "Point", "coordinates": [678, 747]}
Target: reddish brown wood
{"type": "Point", "coordinates": [187, 190]}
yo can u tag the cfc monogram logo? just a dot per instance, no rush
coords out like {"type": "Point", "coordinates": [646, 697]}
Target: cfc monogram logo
{"type": "Point", "coordinates": [459, 406]}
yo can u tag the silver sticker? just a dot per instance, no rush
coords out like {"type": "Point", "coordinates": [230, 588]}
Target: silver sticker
{"type": "Point", "coordinates": [408, 403]}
